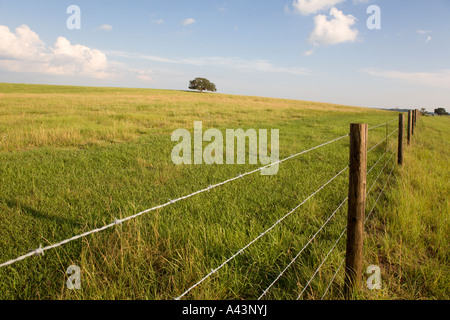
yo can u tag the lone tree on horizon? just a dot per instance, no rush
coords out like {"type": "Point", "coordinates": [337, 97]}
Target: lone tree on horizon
{"type": "Point", "coordinates": [202, 84]}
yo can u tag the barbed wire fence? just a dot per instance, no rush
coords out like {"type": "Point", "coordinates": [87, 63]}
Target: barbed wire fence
{"type": "Point", "coordinates": [412, 118]}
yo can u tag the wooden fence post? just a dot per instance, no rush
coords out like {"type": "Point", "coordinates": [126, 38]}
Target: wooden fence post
{"type": "Point", "coordinates": [409, 127]}
{"type": "Point", "coordinates": [413, 120]}
{"type": "Point", "coordinates": [401, 118]}
{"type": "Point", "coordinates": [356, 206]}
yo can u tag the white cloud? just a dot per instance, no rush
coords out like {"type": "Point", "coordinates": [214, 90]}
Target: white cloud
{"type": "Point", "coordinates": [106, 27]}
{"type": "Point", "coordinates": [333, 31]}
{"type": "Point", "coordinates": [187, 22]}
{"type": "Point", "coordinates": [23, 44]}
{"type": "Point", "coordinates": [428, 39]}
{"type": "Point", "coordinates": [309, 52]}
{"type": "Point", "coordinates": [23, 51]}
{"type": "Point", "coordinates": [77, 59]}
{"type": "Point", "coordinates": [306, 7]}
{"type": "Point", "coordinates": [423, 31]}
{"type": "Point", "coordinates": [439, 79]}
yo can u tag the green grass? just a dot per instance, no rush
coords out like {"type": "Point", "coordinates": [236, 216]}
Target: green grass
{"type": "Point", "coordinates": [409, 239]}
{"type": "Point", "coordinates": [75, 158]}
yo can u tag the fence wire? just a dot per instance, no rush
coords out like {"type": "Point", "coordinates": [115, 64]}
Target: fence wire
{"type": "Point", "coordinates": [365, 220]}
{"type": "Point", "coordinates": [40, 251]}
{"type": "Point", "coordinates": [382, 140]}
{"type": "Point", "coordinates": [383, 124]}
{"type": "Point", "coordinates": [304, 247]}
{"type": "Point", "coordinates": [381, 157]}
{"type": "Point", "coordinates": [323, 261]}
{"type": "Point", "coordinates": [262, 234]}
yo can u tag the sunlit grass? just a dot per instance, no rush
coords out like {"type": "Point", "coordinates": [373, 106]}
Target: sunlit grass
{"type": "Point", "coordinates": [409, 239]}
{"type": "Point", "coordinates": [53, 116]}
{"type": "Point", "coordinates": [76, 158]}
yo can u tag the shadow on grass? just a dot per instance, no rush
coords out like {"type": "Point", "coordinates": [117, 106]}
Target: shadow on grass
{"type": "Point", "coordinates": [13, 204]}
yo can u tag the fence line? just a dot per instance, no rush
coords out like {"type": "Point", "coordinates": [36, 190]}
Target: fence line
{"type": "Point", "coordinates": [383, 124]}
{"type": "Point", "coordinates": [373, 184]}
{"type": "Point", "coordinates": [389, 148]}
{"type": "Point", "coordinates": [323, 261]}
{"type": "Point", "coordinates": [332, 279]}
{"type": "Point", "coordinates": [241, 250]}
{"type": "Point", "coordinates": [304, 247]}
{"type": "Point", "coordinates": [40, 250]}
{"type": "Point", "coordinates": [381, 192]}
{"type": "Point", "coordinates": [342, 203]}
{"type": "Point", "coordinates": [382, 140]}
{"type": "Point", "coordinates": [262, 234]}
{"type": "Point", "coordinates": [365, 220]}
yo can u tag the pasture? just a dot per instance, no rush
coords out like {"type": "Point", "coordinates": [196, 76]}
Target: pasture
{"type": "Point", "coordinates": [76, 158]}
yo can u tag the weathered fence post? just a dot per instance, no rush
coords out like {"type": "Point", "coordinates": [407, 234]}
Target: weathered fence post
{"type": "Point", "coordinates": [409, 127]}
{"type": "Point", "coordinates": [356, 206]}
{"type": "Point", "coordinates": [401, 118]}
{"type": "Point", "coordinates": [413, 114]}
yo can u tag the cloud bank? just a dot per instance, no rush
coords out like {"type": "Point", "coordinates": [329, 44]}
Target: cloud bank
{"type": "Point", "coordinates": [24, 51]}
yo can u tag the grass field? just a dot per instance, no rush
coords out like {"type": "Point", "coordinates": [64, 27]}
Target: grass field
{"type": "Point", "coordinates": [410, 237]}
{"type": "Point", "coordinates": [76, 158]}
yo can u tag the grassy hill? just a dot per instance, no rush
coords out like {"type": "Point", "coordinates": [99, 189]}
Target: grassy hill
{"type": "Point", "coordinates": [76, 158]}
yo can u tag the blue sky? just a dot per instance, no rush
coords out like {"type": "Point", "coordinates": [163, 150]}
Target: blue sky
{"type": "Point", "coordinates": [318, 50]}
